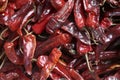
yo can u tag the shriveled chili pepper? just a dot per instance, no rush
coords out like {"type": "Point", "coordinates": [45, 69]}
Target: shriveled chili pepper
{"type": "Point", "coordinates": [12, 54]}
{"type": "Point", "coordinates": [29, 45]}
{"type": "Point", "coordinates": [40, 26]}
{"type": "Point", "coordinates": [59, 17]}
{"type": "Point", "coordinates": [49, 66]}
{"type": "Point", "coordinates": [93, 12]}
{"type": "Point", "coordinates": [83, 48]}
{"type": "Point", "coordinates": [57, 4]}
{"type": "Point", "coordinates": [106, 23]}
{"type": "Point", "coordinates": [80, 35]}
{"type": "Point", "coordinates": [59, 68]}
{"type": "Point", "coordinates": [79, 14]}
{"type": "Point", "coordinates": [52, 43]}
{"type": "Point", "coordinates": [20, 17]}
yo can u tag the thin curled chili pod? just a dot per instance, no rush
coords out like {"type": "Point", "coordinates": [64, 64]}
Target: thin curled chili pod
{"type": "Point", "coordinates": [49, 66]}
{"type": "Point", "coordinates": [114, 2]}
{"type": "Point", "coordinates": [59, 17]}
{"type": "Point", "coordinates": [79, 14]}
{"type": "Point", "coordinates": [29, 45]}
{"type": "Point", "coordinates": [3, 5]}
{"type": "Point", "coordinates": [52, 43]}
{"type": "Point", "coordinates": [11, 53]}
{"type": "Point", "coordinates": [80, 35]}
{"type": "Point", "coordinates": [57, 4]}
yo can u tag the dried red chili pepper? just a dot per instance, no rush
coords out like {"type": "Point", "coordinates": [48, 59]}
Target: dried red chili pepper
{"type": "Point", "coordinates": [12, 54]}
{"type": "Point", "coordinates": [80, 35]}
{"type": "Point", "coordinates": [49, 66]}
{"type": "Point", "coordinates": [60, 17]}
{"type": "Point", "coordinates": [40, 26]}
{"type": "Point", "coordinates": [57, 4]}
{"type": "Point", "coordinates": [20, 17]}
{"type": "Point", "coordinates": [29, 45]}
{"type": "Point", "coordinates": [52, 43]}
{"type": "Point", "coordinates": [83, 48]}
{"type": "Point", "coordinates": [93, 10]}
{"type": "Point", "coordinates": [79, 14]}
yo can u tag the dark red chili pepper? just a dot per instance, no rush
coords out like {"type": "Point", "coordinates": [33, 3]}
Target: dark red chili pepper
{"type": "Point", "coordinates": [57, 4]}
{"type": "Point", "coordinates": [93, 10]}
{"type": "Point", "coordinates": [106, 23]}
{"type": "Point", "coordinates": [79, 14]}
{"type": "Point", "coordinates": [83, 48]}
{"type": "Point", "coordinates": [40, 26]}
{"type": "Point", "coordinates": [52, 43]}
{"type": "Point", "coordinates": [59, 17]}
{"type": "Point", "coordinates": [59, 68]}
{"type": "Point", "coordinates": [12, 54]}
{"type": "Point", "coordinates": [29, 45]}
{"type": "Point", "coordinates": [49, 66]}
{"type": "Point", "coordinates": [20, 17]}
{"type": "Point", "coordinates": [80, 35]}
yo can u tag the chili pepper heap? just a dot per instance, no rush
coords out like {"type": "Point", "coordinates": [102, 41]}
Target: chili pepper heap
{"type": "Point", "coordinates": [59, 39]}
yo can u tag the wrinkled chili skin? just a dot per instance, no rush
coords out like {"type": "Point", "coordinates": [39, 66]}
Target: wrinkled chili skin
{"type": "Point", "coordinates": [60, 17]}
{"type": "Point", "coordinates": [11, 53]}
{"type": "Point", "coordinates": [59, 39]}
{"type": "Point", "coordinates": [29, 45]}
{"type": "Point", "coordinates": [51, 43]}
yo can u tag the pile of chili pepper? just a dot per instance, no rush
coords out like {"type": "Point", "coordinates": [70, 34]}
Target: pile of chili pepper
{"type": "Point", "coordinates": [59, 39]}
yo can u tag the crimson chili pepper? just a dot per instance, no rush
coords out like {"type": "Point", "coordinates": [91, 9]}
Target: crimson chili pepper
{"type": "Point", "coordinates": [29, 45]}
{"type": "Point", "coordinates": [40, 26]}
{"type": "Point", "coordinates": [12, 54]}
{"type": "Point", "coordinates": [79, 14]}
{"type": "Point", "coordinates": [49, 66]}
{"type": "Point", "coordinates": [60, 17]}
{"type": "Point", "coordinates": [52, 43]}
{"type": "Point", "coordinates": [57, 4]}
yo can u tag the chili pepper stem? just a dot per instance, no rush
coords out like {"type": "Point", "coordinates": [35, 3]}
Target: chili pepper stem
{"type": "Point", "coordinates": [2, 55]}
{"type": "Point", "coordinates": [15, 39]}
{"type": "Point", "coordinates": [3, 33]}
{"type": "Point", "coordinates": [2, 62]}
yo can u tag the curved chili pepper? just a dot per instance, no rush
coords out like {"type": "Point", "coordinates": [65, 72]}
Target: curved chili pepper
{"type": "Point", "coordinates": [40, 26]}
{"type": "Point", "coordinates": [20, 17]}
{"type": "Point", "coordinates": [20, 3]}
{"type": "Point", "coordinates": [49, 66]}
{"type": "Point", "coordinates": [57, 4]}
{"type": "Point", "coordinates": [59, 68]}
{"type": "Point", "coordinates": [79, 14]}
{"type": "Point", "coordinates": [83, 48]}
{"type": "Point", "coordinates": [52, 43]}
{"type": "Point", "coordinates": [29, 45]}
{"type": "Point", "coordinates": [106, 23]}
{"type": "Point", "coordinates": [114, 2]}
{"type": "Point", "coordinates": [93, 10]}
{"type": "Point", "coordinates": [60, 17]}
{"type": "Point", "coordinates": [11, 53]}
{"type": "Point", "coordinates": [80, 35]}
